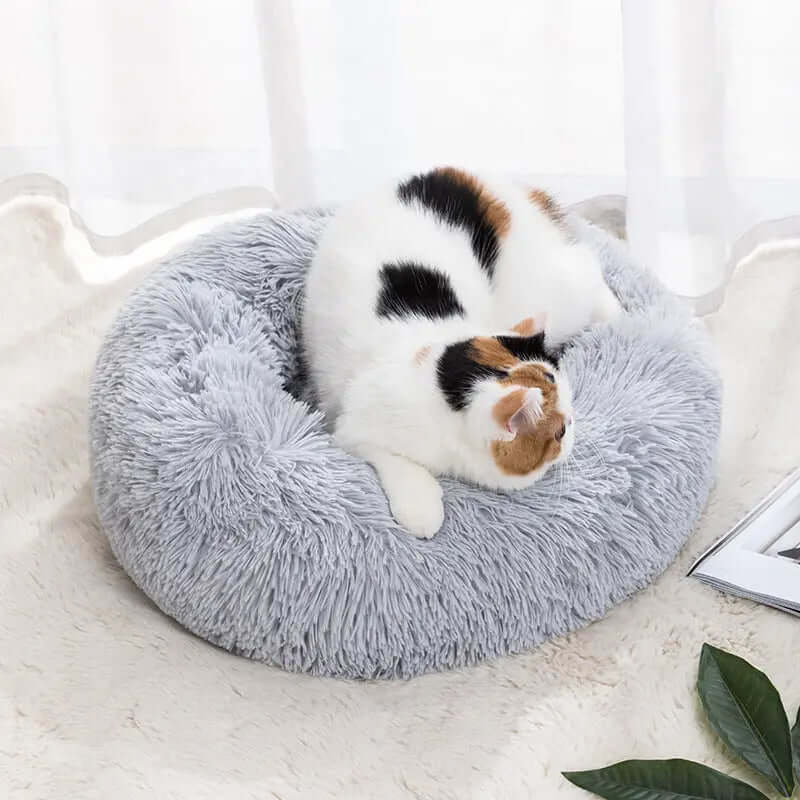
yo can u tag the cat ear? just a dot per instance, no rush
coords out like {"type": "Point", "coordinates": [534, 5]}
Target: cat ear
{"type": "Point", "coordinates": [524, 419]}
{"type": "Point", "coordinates": [530, 326]}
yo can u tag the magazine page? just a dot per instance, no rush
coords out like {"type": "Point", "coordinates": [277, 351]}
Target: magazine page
{"type": "Point", "coordinates": [760, 556]}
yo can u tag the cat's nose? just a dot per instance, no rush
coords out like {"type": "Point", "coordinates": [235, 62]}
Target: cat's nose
{"type": "Point", "coordinates": [560, 434]}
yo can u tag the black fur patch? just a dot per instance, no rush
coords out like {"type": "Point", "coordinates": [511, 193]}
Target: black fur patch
{"type": "Point", "coordinates": [457, 373]}
{"type": "Point", "coordinates": [529, 348]}
{"type": "Point", "coordinates": [408, 288]}
{"type": "Point", "coordinates": [458, 205]}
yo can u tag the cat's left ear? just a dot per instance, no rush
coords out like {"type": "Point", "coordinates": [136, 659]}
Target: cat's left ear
{"type": "Point", "coordinates": [530, 326]}
{"type": "Point", "coordinates": [528, 412]}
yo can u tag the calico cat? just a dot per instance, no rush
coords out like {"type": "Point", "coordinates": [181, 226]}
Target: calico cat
{"type": "Point", "coordinates": [434, 316]}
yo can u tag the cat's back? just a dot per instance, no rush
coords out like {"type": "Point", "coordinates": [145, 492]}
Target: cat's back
{"type": "Point", "coordinates": [434, 256]}
{"type": "Point", "coordinates": [441, 231]}
{"type": "Point", "coordinates": [388, 272]}
{"type": "Point", "coordinates": [382, 229]}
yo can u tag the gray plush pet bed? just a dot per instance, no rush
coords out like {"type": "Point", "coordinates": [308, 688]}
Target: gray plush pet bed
{"type": "Point", "coordinates": [226, 502]}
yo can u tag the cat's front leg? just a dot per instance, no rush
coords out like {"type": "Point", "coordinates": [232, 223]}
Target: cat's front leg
{"type": "Point", "coordinates": [415, 496]}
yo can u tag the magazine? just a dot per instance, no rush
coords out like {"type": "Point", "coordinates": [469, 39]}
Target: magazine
{"type": "Point", "coordinates": [759, 558]}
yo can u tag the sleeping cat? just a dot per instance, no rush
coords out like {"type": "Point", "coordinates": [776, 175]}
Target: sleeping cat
{"type": "Point", "coordinates": [434, 316]}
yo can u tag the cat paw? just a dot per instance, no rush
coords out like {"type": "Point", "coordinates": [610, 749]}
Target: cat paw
{"type": "Point", "coordinates": [414, 495]}
{"type": "Point", "coordinates": [416, 503]}
{"type": "Point", "coordinates": [422, 518]}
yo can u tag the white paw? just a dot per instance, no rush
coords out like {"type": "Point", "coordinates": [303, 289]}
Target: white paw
{"type": "Point", "coordinates": [422, 518]}
{"type": "Point", "coordinates": [415, 498]}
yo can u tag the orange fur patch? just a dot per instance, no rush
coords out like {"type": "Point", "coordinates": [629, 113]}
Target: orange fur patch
{"type": "Point", "coordinates": [488, 351]}
{"type": "Point", "coordinates": [524, 454]}
{"type": "Point", "coordinates": [532, 375]}
{"type": "Point", "coordinates": [422, 354]}
{"type": "Point", "coordinates": [546, 203]}
{"type": "Point", "coordinates": [494, 211]}
{"type": "Point", "coordinates": [530, 451]}
{"type": "Point", "coordinates": [527, 451]}
{"type": "Point", "coordinates": [526, 327]}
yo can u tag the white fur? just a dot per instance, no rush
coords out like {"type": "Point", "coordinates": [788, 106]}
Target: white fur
{"type": "Point", "coordinates": [380, 395]}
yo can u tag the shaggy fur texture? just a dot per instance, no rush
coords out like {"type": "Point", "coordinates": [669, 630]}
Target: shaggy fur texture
{"type": "Point", "coordinates": [224, 499]}
{"type": "Point", "coordinates": [102, 695]}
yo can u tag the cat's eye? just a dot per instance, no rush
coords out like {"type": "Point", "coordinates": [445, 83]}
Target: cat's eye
{"type": "Point", "coordinates": [550, 377]}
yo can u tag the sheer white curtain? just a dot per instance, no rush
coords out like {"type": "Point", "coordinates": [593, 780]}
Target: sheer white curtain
{"type": "Point", "coordinates": [138, 107]}
{"type": "Point", "coordinates": [712, 132]}
{"type": "Point", "coordinates": [134, 108]}
{"type": "Point", "coordinates": [143, 115]}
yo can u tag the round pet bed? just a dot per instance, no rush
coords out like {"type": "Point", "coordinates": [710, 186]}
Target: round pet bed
{"type": "Point", "coordinates": [225, 500]}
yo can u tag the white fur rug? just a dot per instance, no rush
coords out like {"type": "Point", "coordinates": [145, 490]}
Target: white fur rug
{"type": "Point", "coordinates": [103, 696]}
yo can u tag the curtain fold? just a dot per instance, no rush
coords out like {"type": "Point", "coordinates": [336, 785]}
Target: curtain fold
{"type": "Point", "coordinates": [143, 116]}
{"type": "Point", "coordinates": [134, 108]}
{"type": "Point", "coordinates": [711, 130]}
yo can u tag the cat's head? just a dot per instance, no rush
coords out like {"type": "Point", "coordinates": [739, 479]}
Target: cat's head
{"type": "Point", "coordinates": [515, 399]}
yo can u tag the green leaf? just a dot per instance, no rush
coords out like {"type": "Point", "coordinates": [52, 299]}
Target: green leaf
{"type": "Point", "coordinates": [745, 709]}
{"type": "Point", "coordinates": [675, 779]}
{"type": "Point", "coordinates": [796, 745]}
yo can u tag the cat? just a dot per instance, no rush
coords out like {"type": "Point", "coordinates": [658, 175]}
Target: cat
{"type": "Point", "coordinates": [435, 313]}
